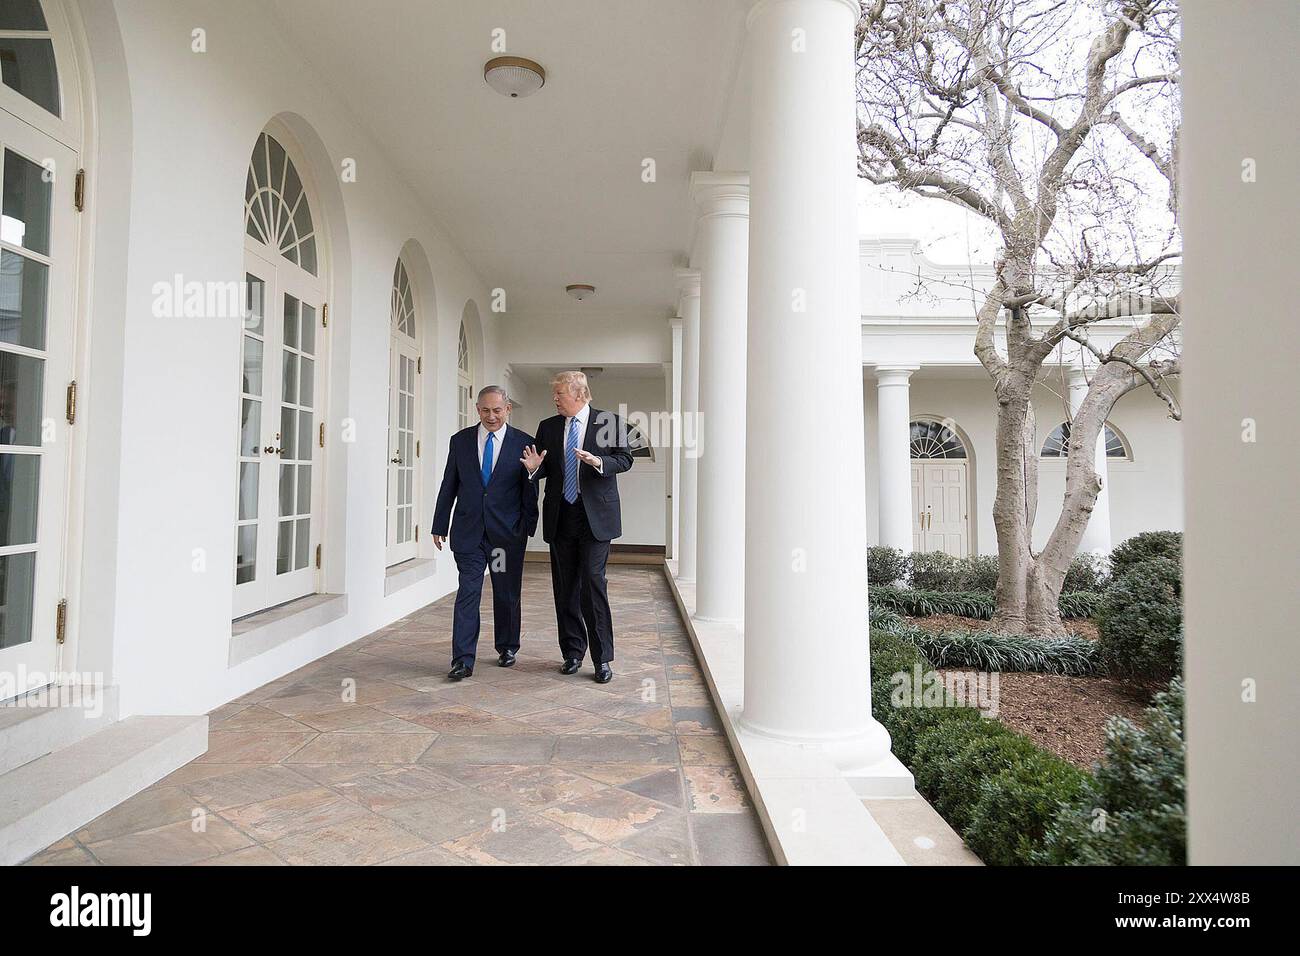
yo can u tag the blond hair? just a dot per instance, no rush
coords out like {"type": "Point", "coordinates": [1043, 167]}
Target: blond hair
{"type": "Point", "coordinates": [575, 382]}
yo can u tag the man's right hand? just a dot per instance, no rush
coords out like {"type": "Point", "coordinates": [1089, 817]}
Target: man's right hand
{"type": "Point", "coordinates": [531, 460]}
{"type": "Point", "coordinates": [438, 540]}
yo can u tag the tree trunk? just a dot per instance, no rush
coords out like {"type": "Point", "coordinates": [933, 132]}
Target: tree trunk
{"type": "Point", "coordinates": [1013, 503]}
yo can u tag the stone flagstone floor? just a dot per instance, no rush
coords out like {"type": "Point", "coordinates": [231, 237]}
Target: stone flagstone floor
{"type": "Point", "coordinates": [513, 766]}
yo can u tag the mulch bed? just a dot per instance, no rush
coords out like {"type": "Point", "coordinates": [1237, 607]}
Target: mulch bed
{"type": "Point", "coordinates": [1066, 715]}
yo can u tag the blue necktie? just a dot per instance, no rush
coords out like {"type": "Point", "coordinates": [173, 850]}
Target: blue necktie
{"type": "Point", "coordinates": [487, 460]}
{"type": "Point", "coordinates": [571, 463]}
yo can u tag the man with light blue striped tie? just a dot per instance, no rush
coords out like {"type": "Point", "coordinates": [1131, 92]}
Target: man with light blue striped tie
{"type": "Point", "coordinates": [580, 516]}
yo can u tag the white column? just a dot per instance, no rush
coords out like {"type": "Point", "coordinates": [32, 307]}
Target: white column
{"type": "Point", "coordinates": [723, 246]}
{"type": "Point", "coordinates": [688, 310]}
{"type": "Point", "coordinates": [893, 454]}
{"type": "Point", "coordinates": [806, 652]}
{"type": "Point", "coordinates": [1096, 537]}
{"type": "Point", "coordinates": [674, 384]}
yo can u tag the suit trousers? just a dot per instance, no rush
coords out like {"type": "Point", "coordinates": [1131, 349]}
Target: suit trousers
{"type": "Point", "coordinates": [578, 581]}
{"type": "Point", "coordinates": [506, 565]}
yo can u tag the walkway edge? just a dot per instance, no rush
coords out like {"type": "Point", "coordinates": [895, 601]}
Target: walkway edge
{"type": "Point", "coordinates": [811, 815]}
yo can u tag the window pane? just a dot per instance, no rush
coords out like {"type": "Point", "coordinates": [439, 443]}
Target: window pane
{"type": "Point", "coordinates": [17, 585]}
{"type": "Point", "coordinates": [22, 15]}
{"type": "Point", "coordinates": [27, 67]}
{"type": "Point", "coordinates": [248, 471]}
{"type": "Point", "coordinates": [307, 252]}
{"type": "Point", "coordinates": [20, 399]}
{"type": "Point", "coordinates": [252, 365]}
{"type": "Point", "coordinates": [289, 380]}
{"type": "Point", "coordinates": [303, 543]}
{"type": "Point", "coordinates": [284, 548]}
{"type": "Point", "coordinates": [308, 329]}
{"type": "Point", "coordinates": [254, 303]}
{"type": "Point", "coordinates": [304, 489]}
{"type": "Point", "coordinates": [288, 432]}
{"type": "Point", "coordinates": [245, 553]}
{"type": "Point", "coordinates": [22, 300]}
{"type": "Point", "coordinates": [290, 321]}
{"type": "Point", "coordinates": [19, 484]}
{"type": "Point", "coordinates": [304, 436]}
{"type": "Point", "coordinates": [306, 385]}
{"type": "Point", "coordinates": [26, 214]}
{"type": "Point", "coordinates": [286, 491]}
{"type": "Point", "coordinates": [250, 428]}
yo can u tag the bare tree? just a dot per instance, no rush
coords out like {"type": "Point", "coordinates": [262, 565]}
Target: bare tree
{"type": "Point", "coordinates": [1057, 122]}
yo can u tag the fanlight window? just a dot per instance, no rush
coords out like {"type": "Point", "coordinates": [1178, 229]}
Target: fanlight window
{"type": "Point", "coordinates": [276, 211]}
{"type": "Point", "coordinates": [27, 54]}
{"type": "Point", "coordinates": [1058, 443]}
{"type": "Point", "coordinates": [933, 440]}
{"type": "Point", "coordinates": [462, 354]}
{"type": "Point", "coordinates": [403, 303]}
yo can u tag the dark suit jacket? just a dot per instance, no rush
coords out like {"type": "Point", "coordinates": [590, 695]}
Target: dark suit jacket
{"type": "Point", "coordinates": [606, 438]}
{"type": "Point", "coordinates": [506, 509]}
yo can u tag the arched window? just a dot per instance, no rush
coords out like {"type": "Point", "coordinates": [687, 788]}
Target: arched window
{"type": "Point", "coordinates": [27, 54]}
{"type": "Point", "coordinates": [404, 371]}
{"type": "Point", "coordinates": [276, 211]}
{"type": "Point", "coordinates": [935, 440]}
{"type": "Point", "coordinates": [464, 381]}
{"type": "Point", "coordinates": [278, 525]}
{"type": "Point", "coordinates": [1058, 443]}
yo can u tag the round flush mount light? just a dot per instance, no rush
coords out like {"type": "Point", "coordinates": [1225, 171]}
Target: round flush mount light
{"type": "Point", "coordinates": [580, 291]}
{"type": "Point", "coordinates": [513, 76]}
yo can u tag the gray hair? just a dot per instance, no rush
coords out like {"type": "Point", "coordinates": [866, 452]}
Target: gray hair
{"type": "Point", "coordinates": [493, 389]}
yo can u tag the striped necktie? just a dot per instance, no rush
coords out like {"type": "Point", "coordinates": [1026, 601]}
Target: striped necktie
{"type": "Point", "coordinates": [571, 463]}
{"type": "Point", "coordinates": [487, 460]}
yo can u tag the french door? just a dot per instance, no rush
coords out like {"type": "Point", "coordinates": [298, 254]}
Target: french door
{"type": "Point", "coordinates": [38, 251]}
{"type": "Point", "coordinates": [278, 528]}
{"type": "Point", "coordinates": [402, 407]}
{"type": "Point", "coordinates": [939, 512]}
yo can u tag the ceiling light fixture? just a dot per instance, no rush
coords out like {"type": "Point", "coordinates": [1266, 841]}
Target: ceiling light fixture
{"type": "Point", "coordinates": [580, 291]}
{"type": "Point", "coordinates": [514, 76]}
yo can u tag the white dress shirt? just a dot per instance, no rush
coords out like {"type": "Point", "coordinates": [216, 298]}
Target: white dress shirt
{"type": "Point", "coordinates": [581, 418]}
{"type": "Point", "coordinates": [500, 438]}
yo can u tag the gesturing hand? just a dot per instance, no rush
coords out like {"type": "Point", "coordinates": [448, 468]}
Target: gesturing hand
{"type": "Point", "coordinates": [588, 457]}
{"type": "Point", "coordinates": [531, 460]}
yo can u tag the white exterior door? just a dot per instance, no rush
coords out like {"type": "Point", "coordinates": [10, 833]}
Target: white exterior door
{"type": "Point", "coordinates": [38, 251]}
{"type": "Point", "coordinates": [402, 408]}
{"type": "Point", "coordinates": [280, 475]}
{"type": "Point", "coordinates": [939, 514]}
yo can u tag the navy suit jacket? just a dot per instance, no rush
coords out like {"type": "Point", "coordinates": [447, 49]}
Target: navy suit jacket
{"type": "Point", "coordinates": [506, 510]}
{"type": "Point", "coordinates": [606, 438]}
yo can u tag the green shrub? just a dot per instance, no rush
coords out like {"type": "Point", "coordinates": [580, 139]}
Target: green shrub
{"type": "Point", "coordinates": [931, 570]}
{"type": "Point", "coordinates": [1075, 604]}
{"type": "Point", "coordinates": [990, 651]}
{"type": "Point", "coordinates": [1133, 813]}
{"type": "Point", "coordinates": [885, 565]}
{"type": "Point", "coordinates": [1087, 572]}
{"type": "Point", "coordinates": [1014, 809]}
{"type": "Point", "coordinates": [953, 757]}
{"type": "Point", "coordinates": [1140, 621]}
{"type": "Point", "coordinates": [1145, 547]}
{"type": "Point", "coordinates": [979, 573]}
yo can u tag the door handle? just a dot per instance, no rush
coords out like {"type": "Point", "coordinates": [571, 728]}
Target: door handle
{"type": "Point", "coordinates": [396, 461]}
{"type": "Point", "coordinates": [273, 451]}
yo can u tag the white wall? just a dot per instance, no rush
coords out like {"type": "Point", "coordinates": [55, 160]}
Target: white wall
{"type": "Point", "coordinates": [1146, 494]}
{"type": "Point", "coordinates": [194, 118]}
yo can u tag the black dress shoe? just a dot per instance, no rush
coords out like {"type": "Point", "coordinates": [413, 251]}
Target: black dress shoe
{"type": "Point", "coordinates": [603, 674]}
{"type": "Point", "coordinates": [570, 667]}
{"type": "Point", "coordinates": [507, 659]}
{"type": "Point", "coordinates": [460, 672]}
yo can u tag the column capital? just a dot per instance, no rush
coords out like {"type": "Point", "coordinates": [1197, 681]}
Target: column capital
{"type": "Point", "coordinates": [688, 281]}
{"type": "Point", "coordinates": [675, 322]}
{"type": "Point", "coordinates": [721, 194]}
{"type": "Point", "coordinates": [894, 374]}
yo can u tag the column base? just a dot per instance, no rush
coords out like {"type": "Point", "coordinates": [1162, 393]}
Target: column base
{"type": "Point", "coordinates": [729, 621]}
{"type": "Point", "coordinates": [863, 758]}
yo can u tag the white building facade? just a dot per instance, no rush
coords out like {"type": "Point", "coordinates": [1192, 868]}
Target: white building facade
{"type": "Point", "coordinates": [278, 282]}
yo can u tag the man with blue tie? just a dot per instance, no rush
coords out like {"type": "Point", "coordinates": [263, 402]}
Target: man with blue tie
{"type": "Point", "coordinates": [495, 514]}
{"type": "Point", "coordinates": [580, 516]}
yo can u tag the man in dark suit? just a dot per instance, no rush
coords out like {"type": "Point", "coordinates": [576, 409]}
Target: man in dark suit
{"type": "Point", "coordinates": [580, 451]}
{"type": "Point", "coordinates": [496, 513]}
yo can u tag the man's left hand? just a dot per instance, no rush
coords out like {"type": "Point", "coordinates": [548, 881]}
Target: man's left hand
{"type": "Point", "coordinates": [588, 457]}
